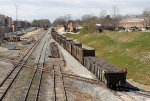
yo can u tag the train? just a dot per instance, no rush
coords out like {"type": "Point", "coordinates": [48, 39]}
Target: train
{"type": "Point", "coordinates": [112, 76]}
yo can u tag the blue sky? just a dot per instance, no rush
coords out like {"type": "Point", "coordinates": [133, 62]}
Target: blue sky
{"type": "Point", "coordinates": [51, 9]}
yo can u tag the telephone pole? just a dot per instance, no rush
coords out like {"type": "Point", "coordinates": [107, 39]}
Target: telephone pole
{"type": "Point", "coordinates": [16, 6]}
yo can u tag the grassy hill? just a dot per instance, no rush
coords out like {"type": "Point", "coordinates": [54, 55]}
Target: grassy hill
{"type": "Point", "coordinates": [125, 50]}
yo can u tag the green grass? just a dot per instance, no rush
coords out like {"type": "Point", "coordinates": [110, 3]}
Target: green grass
{"type": "Point", "coordinates": [125, 50]}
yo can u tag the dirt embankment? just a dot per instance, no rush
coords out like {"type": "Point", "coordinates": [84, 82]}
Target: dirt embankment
{"type": "Point", "coordinates": [31, 34]}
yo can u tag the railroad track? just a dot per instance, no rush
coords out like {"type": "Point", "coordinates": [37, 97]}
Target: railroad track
{"type": "Point", "coordinates": [60, 93]}
{"type": "Point", "coordinates": [127, 90]}
{"type": "Point", "coordinates": [137, 91]}
{"type": "Point", "coordinates": [143, 94]}
{"type": "Point", "coordinates": [118, 95]}
{"type": "Point", "coordinates": [11, 77]}
{"type": "Point", "coordinates": [83, 79]}
{"type": "Point", "coordinates": [97, 82]}
{"type": "Point", "coordinates": [35, 83]}
{"type": "Point", "coordinates": [127, 94]}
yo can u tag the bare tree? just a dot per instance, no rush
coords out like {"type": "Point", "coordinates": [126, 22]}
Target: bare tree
{"type": "Point", "coordinates": [102, 16]}
{"type": "Point", "coordinates": [41, 22]}
{"type": "Point", "coordinates": [59, 21]}
{"type": "Point", "coordinates": [89, 23]}
{"type": "Point", "coordinates": [78, 22]}
{"type": "Point", "coordinates": [67, 17]}
{"type": "Point", "coordinates": [115, 16]}
{"type": "Point", "coordinates": [146, 15]}
{"type": "Point", "coordinates": [86, 18]}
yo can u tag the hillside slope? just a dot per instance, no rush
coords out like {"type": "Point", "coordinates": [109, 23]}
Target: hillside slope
{"type": "Point", "coordinates": [125, 50]}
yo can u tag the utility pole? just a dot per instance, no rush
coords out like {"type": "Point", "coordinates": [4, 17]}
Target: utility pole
{"type": "Point", "coordinates": [16, 6]}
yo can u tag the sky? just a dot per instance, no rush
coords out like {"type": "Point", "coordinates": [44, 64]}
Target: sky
{"type": "Point", "coordinates": [52, 9]}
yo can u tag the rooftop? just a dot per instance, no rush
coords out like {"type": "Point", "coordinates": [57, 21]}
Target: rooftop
{"type": "Point", "coordinates": [132, 20]}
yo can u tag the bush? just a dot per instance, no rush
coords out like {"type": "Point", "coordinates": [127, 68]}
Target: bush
{"type": "Point", "coordinates": [92, 27]}
{"type": "Point", "coordinates": [84, 29]}
{"type": "Point", "coordinates": [88, 28]}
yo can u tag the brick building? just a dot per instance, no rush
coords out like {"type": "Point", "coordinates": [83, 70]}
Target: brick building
{"type": "Point", "coordinates": [8, 21]}
{"type": "Point", "coordinates": [2, 20]}
{"type": "Point", "coordinates": [70, 26]}
{"type": "Point", "coordinates": [133, 22]}
{"type": "Point", "coordinates": [5, 24]}
{"type": "Point", "coordinates": [20, 25]}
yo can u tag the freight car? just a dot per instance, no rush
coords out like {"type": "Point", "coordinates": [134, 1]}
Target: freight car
{"type": "Point", "coordinates": [77, 50]}
{"type": "Point", "coordinates": [80, 52]}
{"type": "Point", "coordinates": [110, 75]}
{"type": "Point", "coordinates": [63, 41]}
{"type": "Point", "coordinates": [68, 45]}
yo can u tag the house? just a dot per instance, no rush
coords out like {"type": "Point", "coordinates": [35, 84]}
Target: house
{"type": "Point", "coordinates": [20, 25]}
{"type": "Point", "coordinates": [8, 21]}
{"type": "Point", "coordinates": [129, 23]}
{"type": "Point", "coordinates": [2, 20]}
{"type": "Point", "coordinates": [70, 26]}
{"type": "Point", "coordinates": [5, 24]}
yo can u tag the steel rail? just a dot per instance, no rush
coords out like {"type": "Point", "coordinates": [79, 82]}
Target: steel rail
{"type": "Point", "coordinates": [31, 82]}
{"type": "Point", "coordinates": [63, 83]}
{"type": "Point", "coordinates": [23, 61]}
{"type": "Point", "coordinates": [41, 78]}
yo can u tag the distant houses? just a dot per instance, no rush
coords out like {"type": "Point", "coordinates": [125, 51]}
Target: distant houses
{"type": "Point", "coordinates": [5, 24]}
{"type": "Point", "coordinates": [8, 25]}
{"type": "Point", "coordinates": [138, 23]}
{"type": "Point", "coordinates": [70, 26]}
{"type": "Point", "coordinates": [2, 20]}
{"type": "Point", "coordinates": [20, 25]}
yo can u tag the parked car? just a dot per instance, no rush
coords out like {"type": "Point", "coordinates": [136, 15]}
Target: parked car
{"type": "Point", "coordinates": [143, 29]}
{"type": "Point", "coordinates": [19, 33]}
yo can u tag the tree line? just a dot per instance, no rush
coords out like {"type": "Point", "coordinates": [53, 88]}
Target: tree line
{"type": "Point", "coordinates": [41, 23]}
{"type": "Point", "coordinates": [109, 22]}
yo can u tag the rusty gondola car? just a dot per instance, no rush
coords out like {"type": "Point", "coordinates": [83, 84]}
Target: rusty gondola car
{"type": "Point", "coordinates": [63, 41]}
{"type": "Point", "coordinates": [80, 52]}
{"type": "Point", "coordinates": [110, 75]}
{"type": "Point", "coordinates": [68, 45]}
